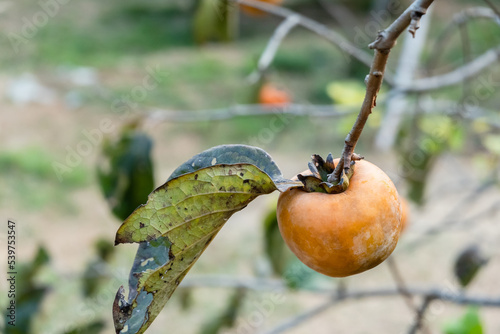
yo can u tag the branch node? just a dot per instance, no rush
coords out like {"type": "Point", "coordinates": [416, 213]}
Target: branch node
{"type": "Point", "coordinates": [356, 157]}
{"type": "Point", "coordinates": [383, 43]}
{"type": "Point", "coordinates": [415, 16]}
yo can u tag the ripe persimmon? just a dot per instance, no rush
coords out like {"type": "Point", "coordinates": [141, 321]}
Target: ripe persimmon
{"type": "Point", "coordinates": [270, 95]}
{"type": "Point", "coordinates": [343, 234]}
{"type": "Point", "coordinates": [257, 12]}
{"type": "Point", "coordinates": [405, 207]}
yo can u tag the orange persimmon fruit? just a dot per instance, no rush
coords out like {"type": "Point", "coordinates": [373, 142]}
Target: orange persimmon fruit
{"type": "Point", "coordinates": [270, 95]}
{"type": "Point", "coordinates": [257, 12]}
{"type": "Point", "coordinates": [405, 208]}
{"type": "Point", "coordinates": [343, 234]}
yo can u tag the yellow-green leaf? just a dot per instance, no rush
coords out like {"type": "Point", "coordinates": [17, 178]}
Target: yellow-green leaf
{"type": "Point", "coordinates": [178, 222]}
{"type": "Point", "coordinates": [347, 92]}
{"type": "Point", "coordinates": [492, 143]}
{"type": "Point", "coordinates": [194, 201]}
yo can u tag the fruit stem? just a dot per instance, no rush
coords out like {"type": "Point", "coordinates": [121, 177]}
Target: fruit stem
{"type": "Point", "coordinates": [385, 41]}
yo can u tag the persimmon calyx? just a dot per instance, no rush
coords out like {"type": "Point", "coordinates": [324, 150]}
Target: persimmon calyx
{"type": "Point", "coordinates": [321, 178]}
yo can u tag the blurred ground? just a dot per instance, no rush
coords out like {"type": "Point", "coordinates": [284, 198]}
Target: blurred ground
{"type": "Point", "coordinates": [75, 76]}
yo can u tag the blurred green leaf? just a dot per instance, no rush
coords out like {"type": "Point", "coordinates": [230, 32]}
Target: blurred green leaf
{"type": "Point", "coordinates": [283, 261]}
{"type": "Point", "coordinates": [96, 272]}
{"type": "Point", "coordinates": [468, 264]}
{"type": "Point", "coordinates": [28, 305]}
{"type": "Point", "coordinates": [469, 323]}
{"type": "Point", "coordinates": [125, 171]}
{"type": "Point", "coordinates": [295, 62]}
{"type": "Point", "coordinates": [186, 298]}
{"type": "Point", "coordinates": [274, 246]}
{"type": "Point", "coordinates": [214, 20]}
{"type": "Point", "coordinates": [29, 294]}
{"type": "Point", "coordinates": [181, 218]}
{"type": "Point", "coordinates": [228, 316]}
{"type": "Point", "coordinates": [104, 249]}
{"type": "Point", "coordinates": [297, 275]}
{"type": "Point", "coordinates": [28, 271]}
{"type": "Point", "coordinates": [347, 92]}
{"type": "Point", "coordinates": [492, 143]}
{"type": "Point", "coordinates": [417, 164]}
{"type": "Point", "coordinates": [420, 143]}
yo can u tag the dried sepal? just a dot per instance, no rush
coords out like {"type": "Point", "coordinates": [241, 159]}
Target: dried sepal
{"type": "Point", "coordinates": [329, 164]}
{"type": "Point", "coordinates": [322, 173]}
{"type": "Point", "coordinates": [311, 183]}
{"type": "Point", "coordinates": [314, 170]}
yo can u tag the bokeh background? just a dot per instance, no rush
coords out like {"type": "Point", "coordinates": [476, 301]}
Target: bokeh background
{"type": "Point", "coordinates": [95, 93]}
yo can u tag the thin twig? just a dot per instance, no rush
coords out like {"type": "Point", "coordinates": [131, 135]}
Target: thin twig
{"type": "Point", "coordinates": [402, 288]}
{"type": "Point", "coordinates": [272, 47]}
{"type": "Point", "coordinates": [450, 219]}
{"type": "Point", "coordinates": [463, 73]}
{"type": "Point", "coordinates": [419, 319]}
{"type": "Point", "coordinates": [276, 285]}
{"type": "Point", "coordinates": [463, 17]}
{"type": "Point", "coordinates": [397, 103]}
{"type": "Point", "coordinates": [382, 45]}
{"type": "Point", "coordinates": [429, 105]}
{"type": "Point", "coordinates": [466, 50]}
{"type": "Point", "coordinates": [316, 27]}
{"type": "Point", "coordinates": [493, 7]}
{"type": "Point", "coordinates": [456, 76]}
{"type": "Point", "coordinates": [161, 115]}
{"type": "Point", "coordinates": [335, 297]}
{"type": "Point", "coordinates": [339, 13]}
{"type": "Point", "coordinates": [302, 317]}
{"type": "Point", "coordinates": [400, 283]}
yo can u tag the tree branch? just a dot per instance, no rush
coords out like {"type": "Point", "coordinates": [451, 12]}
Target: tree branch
{"type": "Point", "coordinates": [335, 297]}
{"type": "Point", "coordinates": [277, 285]}
{"type": "Point", "coordinates": [339, 13]}
{"type": "Point", "coordinates": [162, 115]}
{"type": "Point", "coordinates": [397, 103]}
{"type": "Point", "coordinates": [272, 46]}
{"type": "Point", "coordinates": [493, 8]}
{"type": "Point", "coordinates": [456, 76]}
{"type": "Point", "coordinates": [403, 289]}
{"type": "Point", "coordinates": [382, 45]}
{"type": "Point", "coordinates": [316, 27]}
{"type": "Point", "coordinates": [464, 72]}
{"type": "Point", "coordinates": [429, 105]}
{"type": "Point", "coordinates": [419, 320]}
{"type": "Point", "coordinates": [297, 320]}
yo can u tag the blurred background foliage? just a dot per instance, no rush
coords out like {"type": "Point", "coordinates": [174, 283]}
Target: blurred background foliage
{"type": "Point", "coordinates": [70, 73]}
